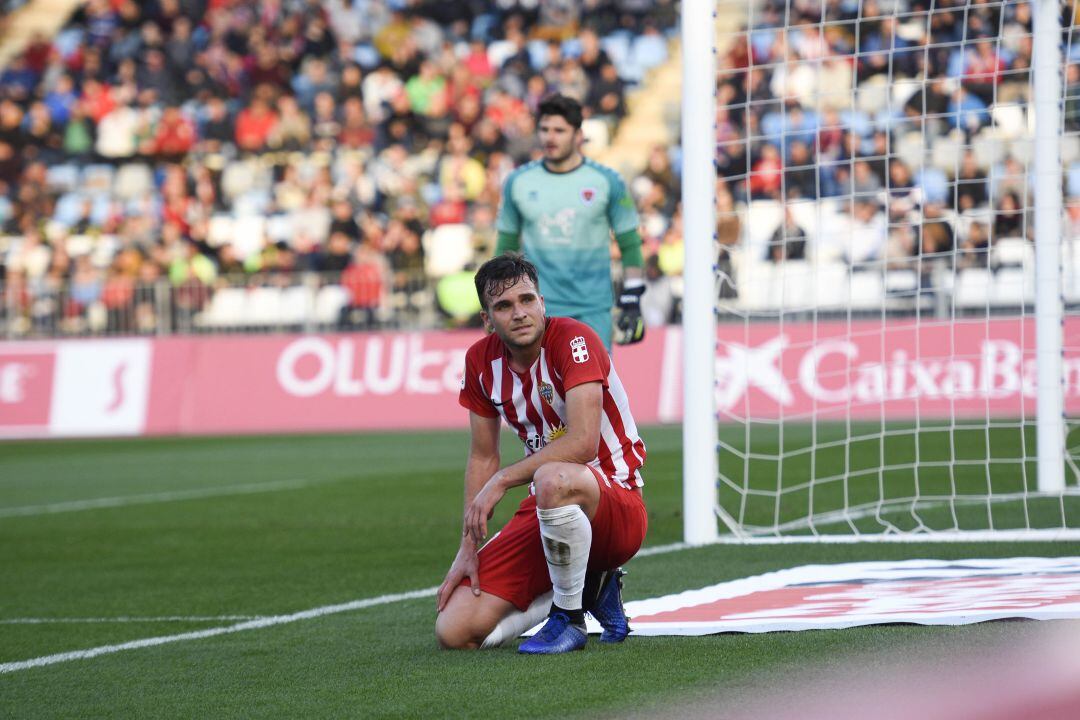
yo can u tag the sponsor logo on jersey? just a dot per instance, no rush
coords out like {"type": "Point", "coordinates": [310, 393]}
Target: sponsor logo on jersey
{"type": "Point", "coordinates": [556, 432]}
{"type": "Point", "coordinates": [588, 195]}
{"type": "Point", "coordinates": [535, 442]}
{"type": "Point", "coordinates": [547, 392]}
{"type": "Point", "coordinates": [579, 350]}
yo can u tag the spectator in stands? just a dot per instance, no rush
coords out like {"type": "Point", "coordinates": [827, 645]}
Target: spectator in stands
{"type": "Point", "coordinates": [970, 188]}
{"type": "Point", "coordinates": [975, 249]}
{"type": "Point", "coordinates": [254, 126]}
{"type": "Point", "coordinates": [1009, 220]}
{"type": "Point", "coordinates": [788, 242]}
{"type": "Point", "coordinates": [364, 281]}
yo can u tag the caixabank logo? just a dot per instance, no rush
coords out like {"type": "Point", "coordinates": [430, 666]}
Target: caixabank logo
{"type": "Point", "coordinates": [957, 368]}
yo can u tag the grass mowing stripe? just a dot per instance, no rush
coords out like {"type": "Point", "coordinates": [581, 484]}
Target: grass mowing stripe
{"type": "Point", "coordinates": [212, 632]}
{"type": "Point", "coordinates": [256, 624]}
{"type": "Point", "coordinates": [150, 498]}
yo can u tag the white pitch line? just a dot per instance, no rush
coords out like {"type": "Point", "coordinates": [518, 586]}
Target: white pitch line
{"type": "Point", "coordinates": [257, 624]}
{"type": "Point", "coordinates": [126, 619]}
{"type": "Point", "coordinates": [150, 498]}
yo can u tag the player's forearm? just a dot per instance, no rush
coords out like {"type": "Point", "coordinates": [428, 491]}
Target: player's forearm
{"type": "Point", "coordinates": [477, 472]}
{"type": "Point", "coordinates": [569, 448]}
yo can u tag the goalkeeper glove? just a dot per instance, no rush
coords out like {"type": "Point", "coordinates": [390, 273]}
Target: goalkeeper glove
{"type": "Point", "coordinates": [629, 325]}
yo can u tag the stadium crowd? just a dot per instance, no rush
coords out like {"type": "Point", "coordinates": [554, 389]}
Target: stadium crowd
{"type": "Point", "coordinates": [905, 121]}
{"type": "Point", "coordinates": [194, 142]}
{"type": "Point", "coordinates": [185, 144]}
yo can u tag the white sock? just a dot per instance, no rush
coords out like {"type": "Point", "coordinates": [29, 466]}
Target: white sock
{"type": "Point", "coordinates": [518, 622]}
{"type": "Point", "coordinates": [567, 535]}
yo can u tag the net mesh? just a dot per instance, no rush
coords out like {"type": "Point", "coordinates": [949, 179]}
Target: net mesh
{"type": "Point", "coordinates": [876, 268]}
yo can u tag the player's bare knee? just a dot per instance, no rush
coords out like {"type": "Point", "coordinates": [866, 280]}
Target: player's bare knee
{"type": "Point", "coordinates": [552, 485]}
{"type": "Point", "coordinates": [453, 634]}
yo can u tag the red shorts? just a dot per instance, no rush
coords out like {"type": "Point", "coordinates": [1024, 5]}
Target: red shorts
{"type": "Point", "coordinates": [512, 563]}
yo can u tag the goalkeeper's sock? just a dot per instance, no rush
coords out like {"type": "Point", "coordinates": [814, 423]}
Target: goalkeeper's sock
{"type": "Point", "coordinates": [567, 535]}
{"type": "Point", "coordinates": [518, 622]}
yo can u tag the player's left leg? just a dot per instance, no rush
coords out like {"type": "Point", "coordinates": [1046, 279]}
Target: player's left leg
{"type": "Point", "coordinates": [567, 496]}
{"type": "Point", "coordinates": [468, 619]}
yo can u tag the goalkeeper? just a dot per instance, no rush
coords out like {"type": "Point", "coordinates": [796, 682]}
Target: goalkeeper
{"type": "Point", "coordinates": [561, 211]}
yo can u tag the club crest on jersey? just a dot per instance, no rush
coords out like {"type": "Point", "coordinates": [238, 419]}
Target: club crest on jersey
{"type": "Point", "coordinates": [547, 392]}
{"type": "Point", "coordinates": [579, 350]}
{"type": "Point", "coordinates": [588, 195]}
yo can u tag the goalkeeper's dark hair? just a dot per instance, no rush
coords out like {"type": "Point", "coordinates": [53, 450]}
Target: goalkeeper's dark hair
{"type": "Point", "coordinates": [502, 272]}
{"type": "Point", "coordinates": [565, 107]}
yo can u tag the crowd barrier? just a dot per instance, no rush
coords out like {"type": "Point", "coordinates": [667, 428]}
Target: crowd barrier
{"type": "Point", "coordinates": [214, 385]}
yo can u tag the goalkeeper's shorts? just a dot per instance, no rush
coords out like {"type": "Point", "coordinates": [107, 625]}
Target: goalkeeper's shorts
{"type": "Point", "coordinates": [512, 563]}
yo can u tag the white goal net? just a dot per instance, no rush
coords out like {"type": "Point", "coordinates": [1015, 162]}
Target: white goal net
{"type": "Point", "coordinates": [897, 270]}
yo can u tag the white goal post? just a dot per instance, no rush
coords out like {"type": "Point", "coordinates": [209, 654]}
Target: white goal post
{"type": "Point", "coordinates": [935, 387]}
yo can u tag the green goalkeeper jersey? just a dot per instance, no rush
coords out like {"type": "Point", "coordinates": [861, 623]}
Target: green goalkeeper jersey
{"type": "Point", "coordinates": [564, 222]}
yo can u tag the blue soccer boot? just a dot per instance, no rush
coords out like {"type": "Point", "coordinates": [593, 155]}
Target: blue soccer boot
{"type": "Point", "coordinates": [608, 608]}
{"type": "Point", "coordinates": [558, 635]}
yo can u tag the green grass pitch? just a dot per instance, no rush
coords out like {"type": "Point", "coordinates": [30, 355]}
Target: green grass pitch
{"type": "Point", "coordinates": [186, 532]}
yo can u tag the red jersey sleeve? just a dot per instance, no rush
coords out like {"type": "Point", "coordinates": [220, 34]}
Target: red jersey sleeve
{"type": "Point", "coordinates": [472, 395]}
{"type": "Point", "coordinates": [579, 356]}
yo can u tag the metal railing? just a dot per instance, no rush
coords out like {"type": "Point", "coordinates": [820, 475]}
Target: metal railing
{"type": "Point", "coordinates": [264, 302]}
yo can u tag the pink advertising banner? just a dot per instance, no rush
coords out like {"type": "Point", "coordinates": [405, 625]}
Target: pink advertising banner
{"type": "Point", "coordinates": [373, 381]}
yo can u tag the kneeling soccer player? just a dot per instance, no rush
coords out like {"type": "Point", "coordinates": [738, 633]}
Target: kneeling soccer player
{"type": "Point", "coordinates": [554, 384]}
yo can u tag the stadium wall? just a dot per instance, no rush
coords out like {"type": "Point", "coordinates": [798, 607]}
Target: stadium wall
{"type": "Point", "coordinates": [382, 381]}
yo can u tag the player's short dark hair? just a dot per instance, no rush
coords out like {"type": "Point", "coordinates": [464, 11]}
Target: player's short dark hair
{"type": "Point", "coordinates": [502, 272]}
{"type": "Point", "coordinates": [566, 107]}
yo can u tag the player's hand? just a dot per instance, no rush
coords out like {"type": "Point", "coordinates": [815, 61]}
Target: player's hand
{"type": "Point", "coordinates": [464, 565]}
{"type": "Point", "coordinates": [482, 508]}
{"type": "Point", "coordinates": [629, 325]}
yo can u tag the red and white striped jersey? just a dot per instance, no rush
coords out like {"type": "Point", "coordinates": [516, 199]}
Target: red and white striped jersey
{"type": "Point", "coordinates": [533, 403]}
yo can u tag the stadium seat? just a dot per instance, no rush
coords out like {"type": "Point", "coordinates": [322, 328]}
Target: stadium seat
{"type": "Point", "coordinates": [220, 230]}
{"type": "Point", "coordinates": [1009, 120]}
{"type": "Point", "coordinates": [1070, 148]}
{"type": "Point", "coordinates": [1023, 150]}
{"type": "Point", "coordinates": [97, 179]}
{"type": "Point", "coordinates": [909, 148]}
{"type": "Point", "coordinates": [872, 95]}
{"type": "Point", "coordinates": [1014, 252]}
{"type": "Point", "coordinates": [973, 288]}
{"type": "Point", "coordinates": [617, 47]}
{"type": "Point", "coordinates": [762, 219]}
{"type": "Point", "coordinates": [263, 306]}
{"type": "Point", "coordinates": [226, 308]}
{"type": "Point", "coordinates": [989, 150]}
{"type": "Point", "coordinates": [447, 249]}
{"type": "Point", "coordinates": [1071, 283]}
{"type": "Point", "coordinates": [1013, 287]}
{"type": "Point", "coordinates": [867, 290]}
{"type": "Point", "coordinates": [328, 304]}
{"type": "Point", "coordinates": [133, 181]}
{"type": "Point", "coordinates": [297, 305]}
{"type": "Point", "coordinates": [63, 178]}
{"type": "Point", "coordinates": [754, 281]}
{"type": "Point", "coordinates": [68, 208]}
{"type": "Point", "coordinates": [596, 134]}
{"type": "Point", "coordinates": [238, 178]}
{"type": "Point", "coordinates": [248, 234]}
{"type": "Point", "coordinates": [831, 286]}
{"type": "Point", "coordinates": [946, 152]}
{"type": "Point", "coordinates": [649, 51]}
{"type": "Point", "coordinates": [793, 286]}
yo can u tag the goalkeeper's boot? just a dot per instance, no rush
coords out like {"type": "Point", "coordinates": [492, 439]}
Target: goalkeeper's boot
{"type": "Point", "coordinates": [608, 608]}
{"type": "Point", "coordinates": [558, 635]}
